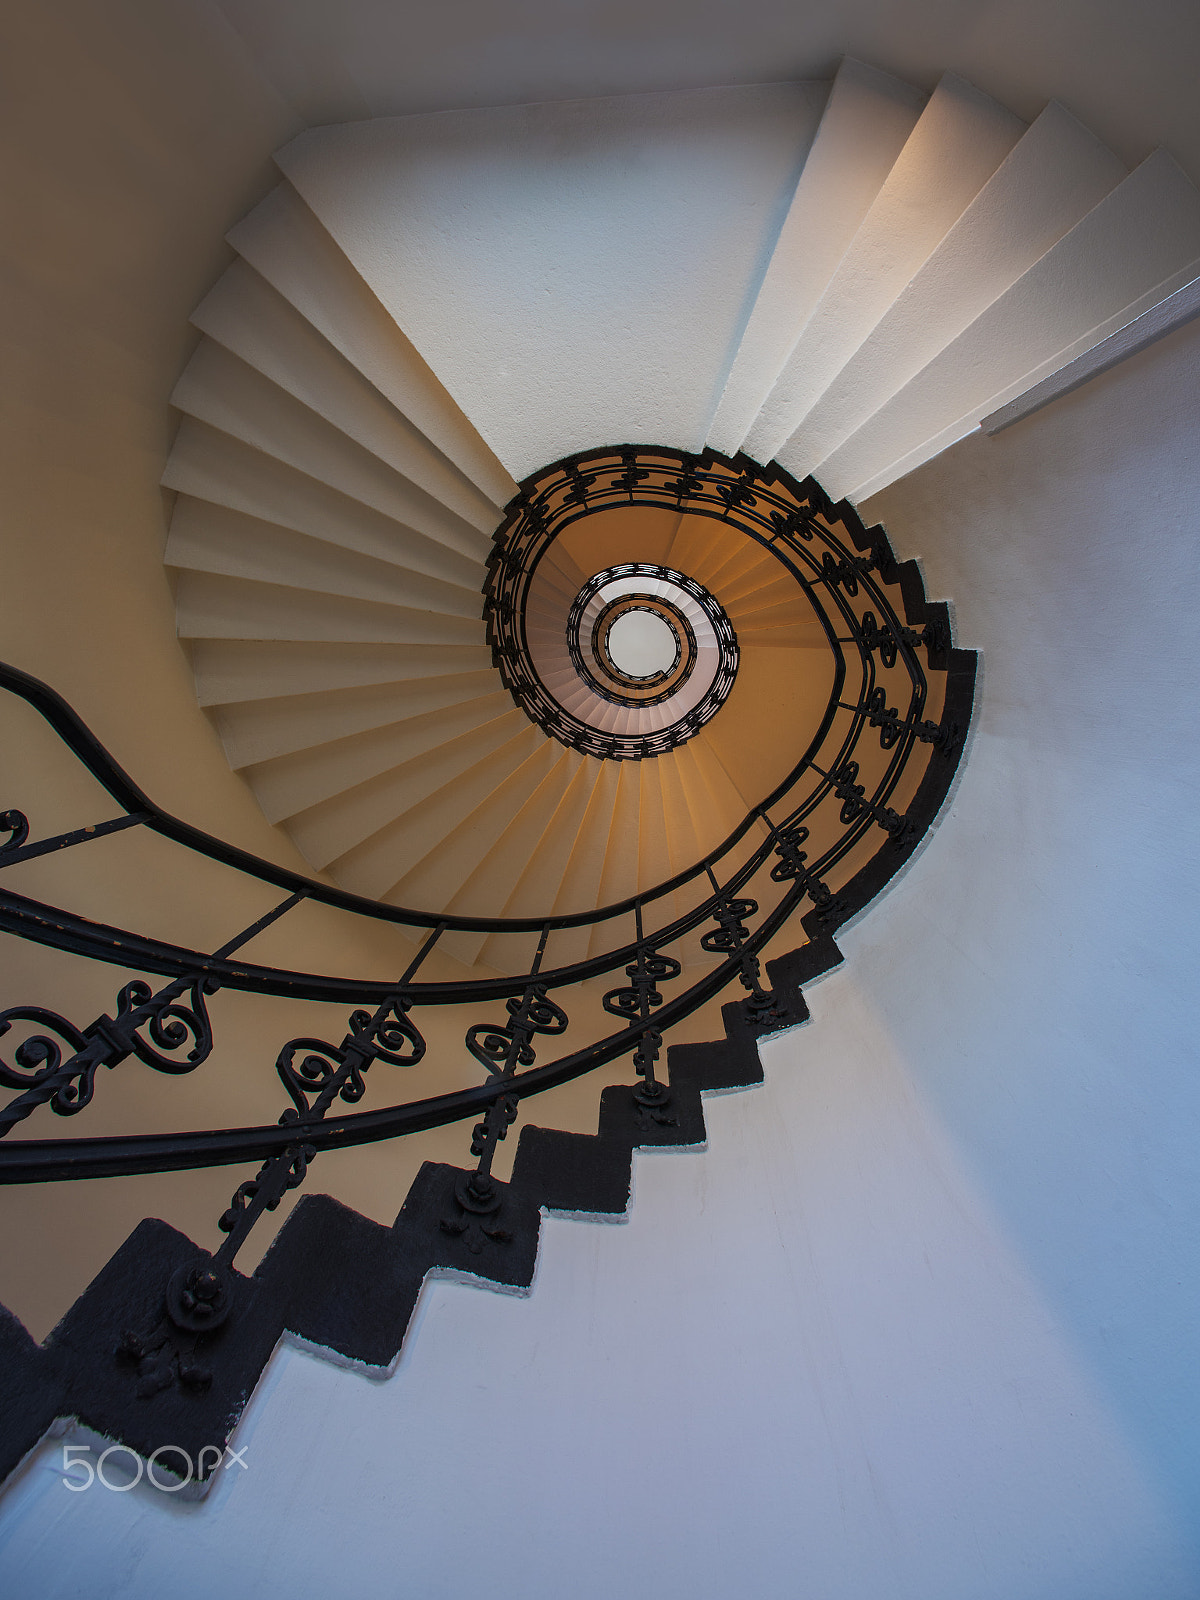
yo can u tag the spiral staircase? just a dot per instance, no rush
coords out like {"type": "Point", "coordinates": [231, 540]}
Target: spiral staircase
{"type": "Point", "coordinates": [470, 396]}
{"type": "Point", "coordinates": [376, 373]}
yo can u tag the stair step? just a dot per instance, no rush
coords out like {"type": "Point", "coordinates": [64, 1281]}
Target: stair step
{"type": "Point", "coordinates": [867, 119]}
{"type": "Point", "coordinates": [773, 613]}
{"type": "Point", "coordinates": [217, 469]}
{"type": "Point", "coordinates": [1142, 236]}
{"type": "Point", "coordinates": [619, 879]}
{"type": "Point", "coordinates": [537, 888]}
{"type": "Point", "coordinates": [579, 889]}
{"type": "Point", "coordinates": [240, 670]}
{"type": "Point", "coordinates": [488, 838]}
{"type": "Point", "coordinates": [381, 862]}
{"type": "Point", "coordinates": [519, 850]}
{"type": "Point", "coordinates": [290, 784]}
{"type": "Point", "coordinates": [960, 139]}
{"type": "Point", "coordinates": [783, 636]}
{"type": "Point", "coordinates": [247, 317]}
{"type": "Point", "coordinates": [283, 241]}
{"type": "Point", "coordinates": [219, 389]}
{"type": "Point", "coordinates": [210, 606]}
{"type": "Point", "coordinates": [683, 844]}
{"type": "Point", "coordinates": [206, 538]}
{"type": "Point", "coordinates": [764, 583]}
{"type": "Point", "coordinates": [333, 827]}
{"type": "Point", "coordinates": [1056, 174]}
{"type": "Point", "coordinates": [653, 841]}
{"type": "Point", "coordinates": [715, 802]}
{"type": "Point", "coordinates": [556, 323]}
{"type": "Point", "coordinates": [748, 567]}
{"type": "Point", "coordinates": [260, 730]}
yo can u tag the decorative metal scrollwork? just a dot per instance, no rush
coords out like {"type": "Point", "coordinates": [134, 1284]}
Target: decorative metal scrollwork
{"type": "Point", "coordinates": [852, 794]}
{"type": "Point", "coordinates": [157, 1028]}
{"type": "Point", "coordinates": [315, 1075]}
{"type": "Point", "coordinates": [887, 707]}
{"type": "Point", "coordinates": [944, 737]}
{"type": "Point", "coordinates": [637, 1000]}
{"type": "Point", "coordinates": [16, 825]}
{"type": "Point", "coordinates": [40, 1055]}
{"type": "Point", "coordinates": [730, 937]}
{"type": "Point", "coordinates": [502, 1047]}
{"type": "Point", "coordinates": [792, 867]}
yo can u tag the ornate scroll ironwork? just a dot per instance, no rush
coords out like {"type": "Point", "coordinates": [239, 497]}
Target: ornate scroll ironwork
{"type": "Point", "coordinates": [500, 1048]}
{"type": "Point", "coordinates": [900, 695]}
{"type": "Point", "coordinates": [898, 709]}
{"type": "Point", "coordinates": [157, 1028]}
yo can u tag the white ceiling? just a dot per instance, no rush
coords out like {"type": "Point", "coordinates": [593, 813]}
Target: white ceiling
{"type": "Point", "coordinates": [1127, 68]}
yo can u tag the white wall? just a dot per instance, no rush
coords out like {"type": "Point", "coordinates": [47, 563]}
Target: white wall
{"type": "Point", "coordinates": [1128, 71]}
{"type": "Point", "coordinates": [922, 1322]}
{"type": "Point", "coordinates": [574, 274]}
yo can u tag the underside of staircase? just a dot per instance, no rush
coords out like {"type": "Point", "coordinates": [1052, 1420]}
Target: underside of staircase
{"type": "Point", "coordinates": [835, 280]}
{"type": "Point", "coordinates": [427, 309]}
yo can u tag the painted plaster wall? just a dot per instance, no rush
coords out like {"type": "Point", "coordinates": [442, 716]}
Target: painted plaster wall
{"type": "Point", "coordinates": [922, 1320]}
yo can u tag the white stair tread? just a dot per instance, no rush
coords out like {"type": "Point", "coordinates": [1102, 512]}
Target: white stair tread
{"type": "Point", "coordinates": [619, 880]}
{"type": "Point", "coordinates": [211, 539]}
{"type": "Point", "coordinates": [209, 606]}
{"type": "Point", "coordinates": [960, 139]}
{"type": "Point", "coordinates": [212, 466]}
{"type": "Point", "coordinates": [379, 865]}
{"type": "Point", "coordinates": [221, 390]}
{"type": "Point", "coordinates": [868, 117]}
{"type": "Point", "coordinates": [521, 846]}
{"type": "Point", "coordinates": [259, 730]}
{"type": "Point", "coordinates": [246, 316]}
{"type": "Point", "coordinates": [486, 836]}
{"type": "Point", "coordinates": [1056, 174]}
{"type": "Point", "coordinates": [1141, 233]}
{"type": "Point", "coordinates": [536, 889]}
{"type": "Point", "coordinates": [229, 670]}
{"type": "Point", "coordinates": [333, 827]}
{"type": "Point", "coordinates": [287, 246]}
{"type": "Point", "coordinates": [291, 784]}
{"type": "Point", "coordinates": [579, 889]}
{"type": "Point", "coordinates": [553, 280]}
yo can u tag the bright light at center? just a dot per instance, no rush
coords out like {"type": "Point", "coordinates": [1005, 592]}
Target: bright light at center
{"type": "Point", "coordinates": [640, 644]}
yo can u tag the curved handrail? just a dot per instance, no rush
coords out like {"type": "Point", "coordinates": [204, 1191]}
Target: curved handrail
{"type": "Point", "coordinates": [159, 1027]}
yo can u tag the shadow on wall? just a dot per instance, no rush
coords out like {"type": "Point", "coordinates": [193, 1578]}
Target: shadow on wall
{"type": "Point", "coordinates": [1048, 1012]}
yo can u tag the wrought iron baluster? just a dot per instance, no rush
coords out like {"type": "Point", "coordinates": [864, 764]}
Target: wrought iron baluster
{"type": "Point", "coordinates": [155, 1027]}
{"type": "Point", "coordinates": [729, 938]}
{"type": "Point", "coordinates": [852, 794]}
{"type": "Point", "coordinates": [635, 1003]}
{"type": "Point", "coordinates": [944, 737]}
{"type": "Point", "coordinates": [689, 482]}
{"type": "Point", "coordinates": [792, 867]}
{"type": "Point", "coordinates": [500, 1048]}
{"type": "Point", "coordinates": [933, 636]}
{"type": "Point", "coordinates": [315, 1074]}
{"type": "Point", "coordinates": [632, 475]}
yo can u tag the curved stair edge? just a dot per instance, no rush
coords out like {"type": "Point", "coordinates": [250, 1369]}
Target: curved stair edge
{"type": "Point", "coordinates": [345, 1287]}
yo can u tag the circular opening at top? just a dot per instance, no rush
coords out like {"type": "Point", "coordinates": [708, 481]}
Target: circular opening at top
{"type": "Point", "coordinates": [641, 644]}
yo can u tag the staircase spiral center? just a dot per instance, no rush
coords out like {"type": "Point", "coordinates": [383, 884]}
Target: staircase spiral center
{"type": "Point", "coordinates": [641, 644]}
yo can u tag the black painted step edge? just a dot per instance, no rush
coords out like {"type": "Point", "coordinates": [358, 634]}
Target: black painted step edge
{"type": "Point", "coordinates": [348, 1286]}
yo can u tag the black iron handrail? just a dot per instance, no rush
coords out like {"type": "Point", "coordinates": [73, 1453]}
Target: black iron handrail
{"type": "Point", "coordinates": [846, 575]}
